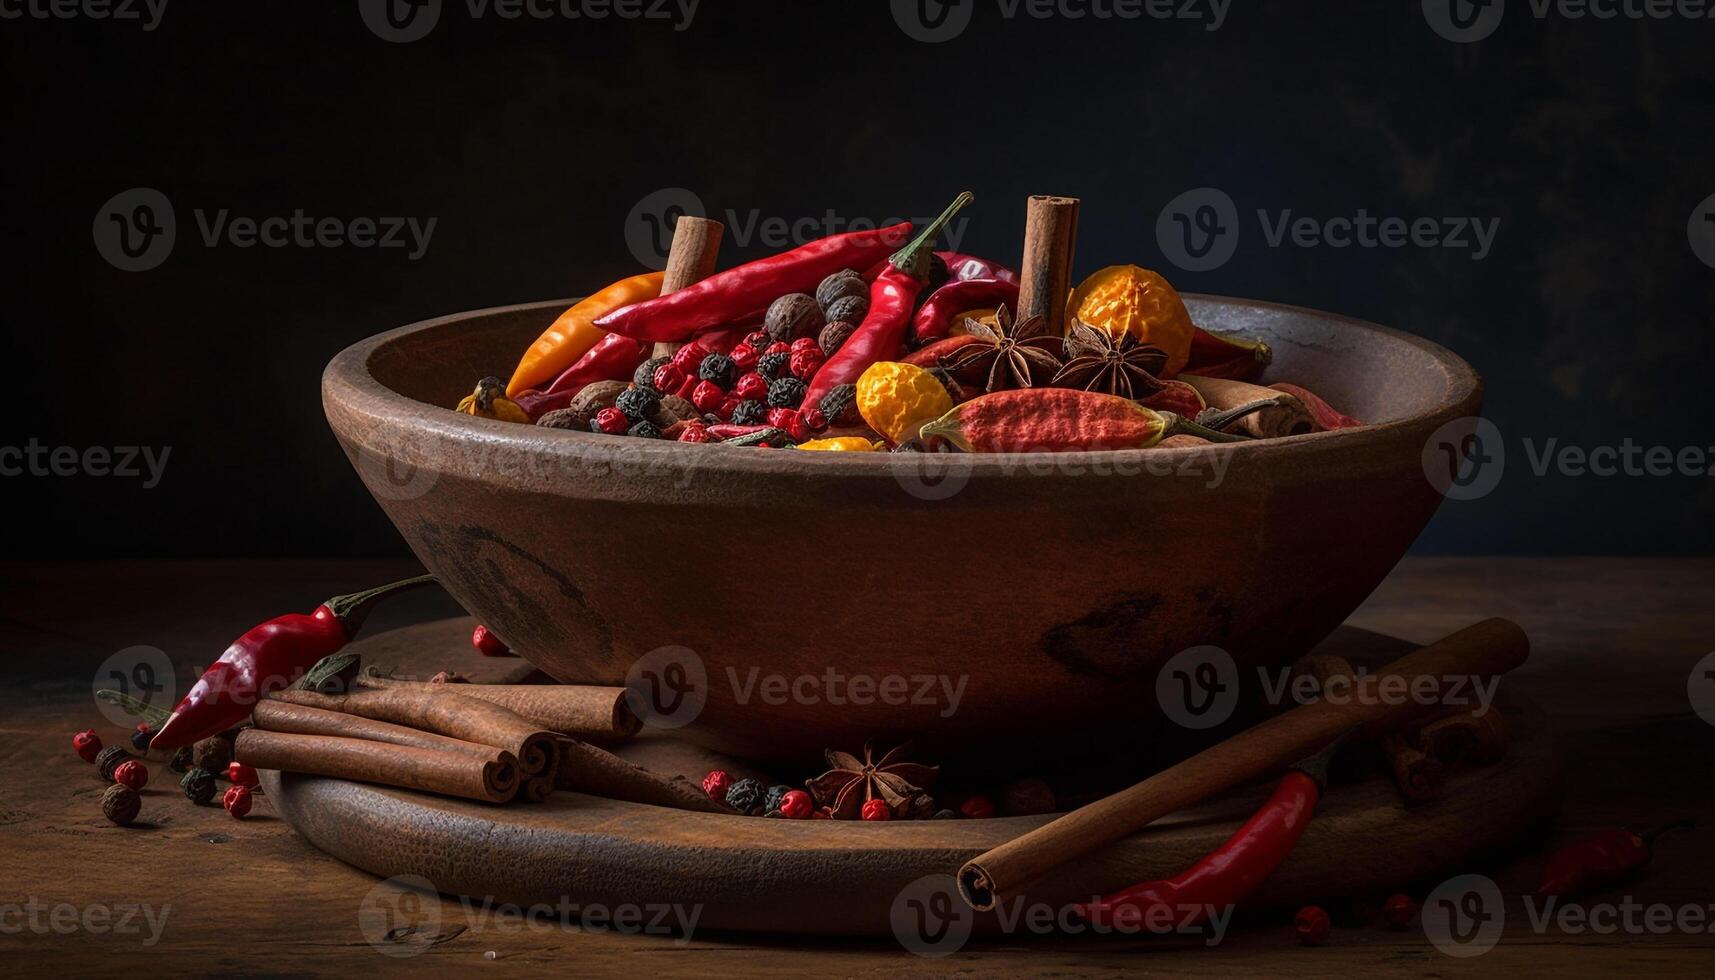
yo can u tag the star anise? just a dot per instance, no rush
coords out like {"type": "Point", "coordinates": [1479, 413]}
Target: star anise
{"type": "Point", "coordinates": [1011, 355]}
{"type": "Point", "coordinates": [851, 782]}
{"type": "Point", "coordinates": [1095, 361]}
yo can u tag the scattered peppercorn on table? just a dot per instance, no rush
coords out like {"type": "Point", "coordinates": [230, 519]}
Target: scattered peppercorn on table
{"type": "Point", "coordinates": [210, 893]}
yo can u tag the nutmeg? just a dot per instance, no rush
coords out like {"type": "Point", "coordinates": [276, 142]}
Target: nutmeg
{"type": "Point", "coordinates": [846, 282]}
{"type": "Point", "coordinates": [675, 409]}
{"type": "Point", "coordinates": [213, 753]}
{"type": "Point", "coordinates": [833, 335]}
{"type": "Point", "coordinates": [596, 396]}
{"type": "Point", "coordinates": [851, 309]}
{"type": "Point", "coordinates": [121, 804]}
{"type": "Point", "coordinates": [791, 316]}
{"type": "Point", "coordinates": [566, 418]}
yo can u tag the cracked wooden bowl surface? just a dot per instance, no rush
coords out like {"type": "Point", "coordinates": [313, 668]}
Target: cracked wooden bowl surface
{"type": "Point", "coordinates": [817, 599]}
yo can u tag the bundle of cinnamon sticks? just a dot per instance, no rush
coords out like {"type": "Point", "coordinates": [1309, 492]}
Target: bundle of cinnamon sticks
{"type": "Point", "coordinates": [488, 742]}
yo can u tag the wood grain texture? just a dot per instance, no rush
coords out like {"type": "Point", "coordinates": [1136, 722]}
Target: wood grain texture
{"type": "Point", "coordinates": [1613, 640]}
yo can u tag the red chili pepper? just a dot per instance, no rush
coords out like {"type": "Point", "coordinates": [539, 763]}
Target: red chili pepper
{"type": "Point", "coordinates": [891, 299]}
{"type": "Point", "coordinates": [962, 266]}
{"type": "Point", "coordinates": [613, 358]}
{"type": "Point", "coordinates": [935, 317]}
{"type": "Point", "coordinates": [1326, 415]}
{"type": "Point", "coordinates": [1232, 871]}
{"type": "Point", "coordinates": [727, 296]}
{"type": "Point", "coordinates": [930, 356]}
{"type": "Point", "coordinates": [1603, 858]}
{"type": "Point", "coordinates": [1177, 397]}
{"type": "Point", "coordinates": [1234, 358]}
{"type": "Point", "coordinates": [267, 658]}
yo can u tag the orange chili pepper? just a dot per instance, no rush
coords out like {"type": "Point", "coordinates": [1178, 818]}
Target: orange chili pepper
{"type": "Point", "coordinates": [574, 332]}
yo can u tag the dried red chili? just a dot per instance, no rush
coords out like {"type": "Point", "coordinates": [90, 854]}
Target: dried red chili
{"type": "Point", "coordinates": [891, 298]}
{"type": "Point", "coordinates": [1326, 415]}
{"type": "Point", "coordinates": [1603, 858]}
{"type": "Point", "coordinates": [726, 297]}
{"type": "Point", "coordinates": [267, 658]}
{"type": "Point", "coordinates": [935, 317]}
{"type": "Point", "coordinates": [1066, 419]}
{"type": "Point", "coordinates": [1236, 358]}
{"type": "Point", "coordinates": [1224, 876]}
{"type": "Point", "coordinates": [613, 358]}
{"type": "Point", "coordinates": [930, 356]}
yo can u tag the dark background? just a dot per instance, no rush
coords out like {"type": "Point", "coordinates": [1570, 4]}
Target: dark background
{"type": "Point", "coordinates": [531, 140]}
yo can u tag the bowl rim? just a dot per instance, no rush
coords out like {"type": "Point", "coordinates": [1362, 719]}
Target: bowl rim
{"type": "Point", "coordinates": [348, 384]}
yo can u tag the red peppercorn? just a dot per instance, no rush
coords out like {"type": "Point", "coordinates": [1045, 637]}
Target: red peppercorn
{"type": "Point", "coordinates": [877, 810]}
{"type": "Point", "coordinates": [237, 801]}
{"type": "Point", "coordinates": [132, 774]}
{"type": "Point", "coordinates": [696, 433]}
{"type": "Point", "coordinates": [805, 363]}
{"type": "Point", "coordinates": [612, 421]}
{"type": "Point", "coordinates": [1399, 910]}
{"type": "Point", "coordinates": [707, 396]}
{"type": "Point", "coordinates": [805, 343]}
{"type": "Point", "coordinates": [779, 347]}
{"type": "Point", "coordinates": [822, 813]}
{"type": "Point", "coordinates": [716, 783]}
{"type": "Point", "coordinates": [487, 643]}
{"type": "Point", "coordinates": [724, 410]}
{"type": "Point", "coordinates": [240, 774]}
{"type": "Point", "coordinates": [782, 418]}
{"type": "Point", "coordinates": [86, 744]}
{"type": "Point", "coordinates": [813, 418]}
{"type": "Point", "coordinates": [977, 807]}
{"type": "Point", "coordinates": [668, 378]}
{"type": "Point", "coordinates": [745, 356]}
{"type": "Point", "coordinates": [1312, 925]}
{"type": "Point", "coordinates": [796, 805]}
{"type": "Point", "coordinates": [757, 340]}
{"type": "Point", "coordinates": [689, 357]}
{"type": "Point", "coordinates": [751, 385]}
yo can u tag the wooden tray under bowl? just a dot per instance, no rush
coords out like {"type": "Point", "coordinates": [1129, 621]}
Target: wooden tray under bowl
{"type": "Point", "coordinates": [813, 876]}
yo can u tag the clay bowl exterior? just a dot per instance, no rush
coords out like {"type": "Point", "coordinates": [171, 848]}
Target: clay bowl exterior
{"type": "Point", "coordinates": [830, 597]}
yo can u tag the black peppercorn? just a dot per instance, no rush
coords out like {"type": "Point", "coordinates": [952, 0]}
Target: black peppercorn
{"type": "Point", "coordinates": [644, 376]}
{"type": "Point", "coordinates": [719, 370]}
{"type": "Point", "coordinates": [1027, 797]}
{"type": "Point", "coordinates": [771, 802]}
{"type": "Point", "coordinates": [121, 804]}
{"type": "Point", "coordinates": [637, 402]}
{"type": "Point", "coordinates": [834, 335]}
{"type": "Point", "coordinates": [141, 738]}
{"type": "Point", "coordinates": [786, 393]}
{"type": "Point", "coordinates": [772, 366]}
{"type": "Point", "coordinates": [644, 429]}
{"type": "Point", "coordinates": [848, 308]}
{"type": "Point", "coordinates": [749, 412]}
{"type": "Point", "coordinates": [745, 795]}
{"type": "Point", "coordinates": [840, 406]}
{"type": "Point", "coordinates": [109, 760]}
{"type": "Point", "coordinates": [213, 754]}
{"type": "Point", "coordinates": [846, 282]}
{"type": "Point", "coordinates": [793, 315]}
{"type": "Point", "coordinates": [198, 786]}
{"type": "Point", "coordinates": [181, 760]}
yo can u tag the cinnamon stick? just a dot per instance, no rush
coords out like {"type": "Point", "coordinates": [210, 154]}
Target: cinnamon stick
{"type": "Point", "coordinates": [690, 258]}
{"type": "Point", "coordinates": [1418, 774]}
{"type": "Point", "coordinates": [587, 769]}
{"type": "Point", "coordinates": [440, 710]}
{"type": "Point", "coordinates": [1045, 276]}
{"type": "Point", "coordinates": [1486, 649]}
{"type": "Point", "coordinates": [431, 770]}
{"type": "Point", "coordinates": [581, 711]}
{"type": "Point", "coordinates": [301, 719]}
{"type": "Point", "coordinates": [1286, 417]}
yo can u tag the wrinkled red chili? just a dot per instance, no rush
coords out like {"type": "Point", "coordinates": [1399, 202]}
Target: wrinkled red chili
{"type": "Point", "coordinates": [892, 297]}
{"type": "Point", "coordinates": [935, 317]}
{"type": "Point", "coordinates": [267, 658]}
{"type": "Point", "coordinates": [1229, 873]}
{"type": "Point", "coordinates": [727, 296]}
{"type": "Point", "coordinates": [1603, 858]}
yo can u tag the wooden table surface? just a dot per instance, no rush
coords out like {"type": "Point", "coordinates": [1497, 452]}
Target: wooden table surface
{"type": "Point", "coordinates": [1615, 643]}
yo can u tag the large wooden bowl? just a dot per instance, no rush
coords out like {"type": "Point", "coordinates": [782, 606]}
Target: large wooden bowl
{"type": "Point", "coordinates": [817, 590]}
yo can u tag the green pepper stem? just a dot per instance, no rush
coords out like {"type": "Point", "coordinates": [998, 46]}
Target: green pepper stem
{"type": "Point", "coordinates": [913, 259]}
{"type": "Point", "coordinates": [1316, 766]}
{"type": "Point", "coordinates": [351, 610]}
{"type": "Point", "coordinates": [1177, 424]}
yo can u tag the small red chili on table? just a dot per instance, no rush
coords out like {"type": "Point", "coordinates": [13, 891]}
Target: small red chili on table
{"type": "Point", "coordinates": [1603, 858]}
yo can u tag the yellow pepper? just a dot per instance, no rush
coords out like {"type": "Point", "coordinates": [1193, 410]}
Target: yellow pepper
{"type": "Point", "coordinates": [842, 444]}
{"type": "Point", "coordinates": [486, 402]}
{"type": "Point", "coordinates": [574, 332]}
{"type": "Point", "coordinates": [1124, 299]}
{"type": "Point", "coordinates": [896, 399]}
